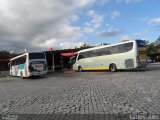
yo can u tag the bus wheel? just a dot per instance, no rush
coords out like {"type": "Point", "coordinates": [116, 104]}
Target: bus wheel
{"type": "Point", "coordinates": [79, 69]}
{"type": "Point", "coordinates": [22, 75]}
{"type": "Point", "coordinates": [113, 68]}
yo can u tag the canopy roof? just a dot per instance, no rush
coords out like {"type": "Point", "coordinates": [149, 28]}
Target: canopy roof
{"type": "Point", "coordinates": [4, 60]}
{"type": "Point", "coordinates": [69, 54]}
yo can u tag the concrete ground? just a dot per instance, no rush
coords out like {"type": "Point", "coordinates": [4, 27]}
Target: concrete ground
{"type": "Point", "coordinates": [83, 96]}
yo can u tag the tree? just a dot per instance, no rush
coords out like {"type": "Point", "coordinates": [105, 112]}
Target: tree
{"type": "Point", "coordinates": [103, 44]}
{"type": "Point", "coordinates": [151, 48]}
{"type": "Point", "coordinates": [147, 42]}
{"type": "Point", "coordinates": [85, 45]}
{"type": "Point", "coordinates": [157, 42]}
{"type": "Point", "coordinates": [4, 54]}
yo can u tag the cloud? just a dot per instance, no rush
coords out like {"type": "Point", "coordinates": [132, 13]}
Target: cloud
{"type": "Point", "coordinates": [74, 18]}
{"type": "Point", "coordinates": [31, 23]}
{"type": "Point", "coordinates": [111, 32]}
{"type": "Point", "coordinates": [157, 27]}
{"type": "Point", "coordinates": [125, 37]}
{"type": "Point", "coordinates": [134, 36]}
{"type": "Point", "coordinates": [94, 23]}
{"type": "Point", "coordinates": [63, 44]}
{"type": "Point", "coordinates": [102, 2]}
{"type": "Point", "coordinates": [155, 23]}
{"type": "Point", "coordinates": [154, 20]}
{"type": "Point", "coordinates": [88, 29]}
{"type": "Point", "coordinates": [72, 45]}
{"type": "Point", "coordinates": [96, 18]}
{"type": "Point", "coordinates": [115, 14]}
{"type": "Point", "coordinates": [128, 1]}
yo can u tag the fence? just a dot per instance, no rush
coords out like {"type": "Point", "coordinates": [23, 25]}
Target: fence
{"type": "Point", "coordinates": [4, 72]}
{"type": "Point", "coordinates": [4, 66]}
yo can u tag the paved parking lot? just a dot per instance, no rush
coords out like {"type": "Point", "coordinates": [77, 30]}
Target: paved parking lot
{"type": "Point", "coordinates": [82, 95]}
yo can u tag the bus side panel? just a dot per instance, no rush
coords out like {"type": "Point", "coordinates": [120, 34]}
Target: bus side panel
{"type": "Point", "coordinates": [27, 68]}
{"type": "Point", "coordinates": [19, 69]}
{"type": "Point", "coordinates": [103, 62]}
{"type": "Point", "coordinates": [98, 63]}
{"type": "Point", "coordinates": [125, 59]}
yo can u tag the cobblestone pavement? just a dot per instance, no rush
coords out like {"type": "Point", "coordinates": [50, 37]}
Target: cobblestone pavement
{"type": "Point", "coordinates": [82, 95]}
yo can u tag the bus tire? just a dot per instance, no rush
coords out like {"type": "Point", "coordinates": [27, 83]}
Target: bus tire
{"type": "Point", "coordinates": [79, 69]}
{"type": "Point", "coordinates": [113, 67]}
{"type": "Point", "coordinates": [22, 75]}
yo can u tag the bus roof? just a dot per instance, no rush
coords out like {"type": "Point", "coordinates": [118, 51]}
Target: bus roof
{"type": "Point", "coordinates": [18, 56]}
{"type": "Point", "coordinates": [23, 55]}
{"type": "Point", "coordinates": [98, 47]}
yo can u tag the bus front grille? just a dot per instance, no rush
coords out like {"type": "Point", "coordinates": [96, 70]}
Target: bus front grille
{"type": "Point", "coordinates": [129, 63]}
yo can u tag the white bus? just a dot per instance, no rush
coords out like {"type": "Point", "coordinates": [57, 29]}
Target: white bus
{"type": "Point", "coordinates": [125, 55]}
{"type": "Point", "coordinates": [28, 64]}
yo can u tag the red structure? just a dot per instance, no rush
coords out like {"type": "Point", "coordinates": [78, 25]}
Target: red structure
{"type": "Point", "coordinates": [69, 54]}
{"type": "Point", "coordinates": [4, 60]}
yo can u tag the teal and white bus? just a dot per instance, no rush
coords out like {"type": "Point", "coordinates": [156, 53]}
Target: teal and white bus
{"type": "Point", "coordinates": [125, 55]}
{"type": "Point", "coordinates": [28, 64]}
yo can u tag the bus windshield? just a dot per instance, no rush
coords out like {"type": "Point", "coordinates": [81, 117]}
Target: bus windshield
{"type": "Point", "coordinates": [73, 59]}
{"type": "Point", "coordinates": [36, 56]}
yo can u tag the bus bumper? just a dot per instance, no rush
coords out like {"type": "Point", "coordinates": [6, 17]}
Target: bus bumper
{"type": "Point", "coordinates": [38, 73]}
{"type": "Point", "coordinates": [142, 65]}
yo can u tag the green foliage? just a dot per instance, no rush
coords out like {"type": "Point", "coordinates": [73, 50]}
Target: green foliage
{"type": "Point", "coordinates": [154, 47]}
{"type": "Point", "coordinates": [151, 49]}
{"type": "Point", "coordinates": [4, 54]}
{"type": "Point", "coordinates": [158, 48]}
{"type": "Point", "coordinates": [85, 45]}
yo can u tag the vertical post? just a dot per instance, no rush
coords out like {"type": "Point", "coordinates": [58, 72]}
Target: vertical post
{"type": "Point", "coordinates": [62, 63]}
{"type": "Point", "coordinates": [3, 66]}
{"type": "Point", "coordinates": [53, 67]}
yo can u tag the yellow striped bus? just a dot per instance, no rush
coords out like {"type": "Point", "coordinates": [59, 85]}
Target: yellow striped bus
{"type": "Point", "coordinates": [125, 55]}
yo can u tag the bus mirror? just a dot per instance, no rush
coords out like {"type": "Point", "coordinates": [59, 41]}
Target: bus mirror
{"type": "Point", "coordinates": [9, 63]}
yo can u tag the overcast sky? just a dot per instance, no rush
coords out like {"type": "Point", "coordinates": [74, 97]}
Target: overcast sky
{"type": "Point", "coordinates": [42, 24]}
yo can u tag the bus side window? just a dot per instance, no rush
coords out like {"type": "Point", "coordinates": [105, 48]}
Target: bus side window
{"type": "Point", "coordinates": [114, 49]}
{"type": "Point", "coordinates": [125, 47]}
{"type": "Point", "coordinates": [23, 60]}
{"type": "Point", "coordinates": [81, 56]}
{"type": "Point", "coordinates": [93, 53]}
{"type": "Point", "coordinates": [107, 51]}
{"type": "Point", "coordinates": [129, 46]}
{"type": "Point", "coordinates": [15, 62]}
{"type": "Point", "coordinates": [12, 62]}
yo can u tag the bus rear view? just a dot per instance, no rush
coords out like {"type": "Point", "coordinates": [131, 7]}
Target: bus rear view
{"type": "Point", "coordinates": [28, 64]}
{"type": "Point", "coordinates": [37, 64]}
{"type": "Point", "coordinates": [141, 54]}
